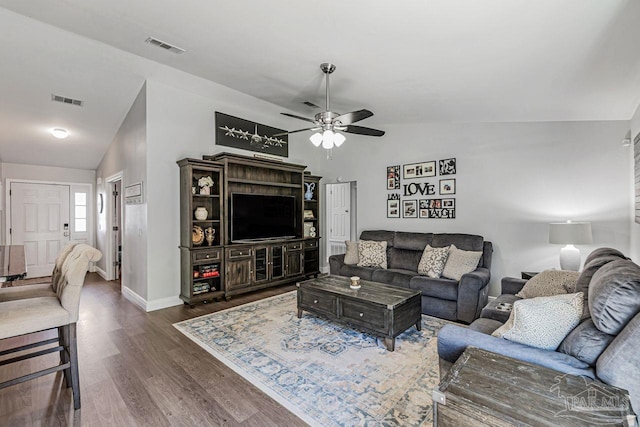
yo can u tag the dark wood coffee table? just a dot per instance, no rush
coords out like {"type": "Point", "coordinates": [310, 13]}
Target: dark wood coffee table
{"type": "Point", "coordinates": [379, 309]}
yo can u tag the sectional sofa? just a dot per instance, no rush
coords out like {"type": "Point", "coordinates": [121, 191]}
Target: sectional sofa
{"type": "Point", "coordinates": [445, 298]}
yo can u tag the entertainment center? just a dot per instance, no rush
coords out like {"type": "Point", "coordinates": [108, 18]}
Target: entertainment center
{"type": "Point", "coordinates": [255, 226]}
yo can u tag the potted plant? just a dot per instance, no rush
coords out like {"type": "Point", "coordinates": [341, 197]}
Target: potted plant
{"type": "Point", "coordinates": [205, 183]}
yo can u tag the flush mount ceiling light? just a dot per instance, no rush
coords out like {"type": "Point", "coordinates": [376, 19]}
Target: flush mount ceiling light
{"type": "Point", "coordinates": [59, 133]}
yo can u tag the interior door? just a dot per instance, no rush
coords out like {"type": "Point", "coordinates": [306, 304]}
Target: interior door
{"type": "Point", "coordinates": [40, 222]}
{"type": "Point", "coordinates": [338, 217]}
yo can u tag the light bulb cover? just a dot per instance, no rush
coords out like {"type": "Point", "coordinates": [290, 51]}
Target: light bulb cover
{"type": "Point", "coordinates": [338, 139]}
{"type": "Point", "coordinates": [327, 139]}
{"type": "Point", "coordinates": [316, 139]}
{"type": "Point", "coordinates": [59, 133]}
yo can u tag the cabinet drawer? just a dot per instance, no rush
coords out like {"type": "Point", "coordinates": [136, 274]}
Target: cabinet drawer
{"type": "Point", "coordinates": [238, 253]}
{"type": "Point", "coordinates": [370, 315]}
{"type": "Point", "coordinates": [294, 246]}
{"type": "Point", "coordinates": [322, 302]}
{"type": "Point", "coordinates": [208, 255]}
{"type": "Point", "coordinates": [310, 244]}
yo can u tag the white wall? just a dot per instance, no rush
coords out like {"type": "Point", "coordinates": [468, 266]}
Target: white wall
{"type": "Point", "coordinates": [512, 180]}
{"type": "Point", "coordinates": [128, 154]}
{"type": "Point", "coordinates": [635, 228]}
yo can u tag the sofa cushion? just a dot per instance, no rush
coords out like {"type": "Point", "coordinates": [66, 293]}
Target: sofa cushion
{"type": "Point", "coordinates": [438, 288]}
{"type": "Point", "coordinates": [404, 259]}
{"type": "Point", "coordinates": [412, 241]}
{"type": "Point", "coordinates": [600, 252]}
{"type": "Point", "coordinates": [542, 322]}
{"type": "Point", "coordinates": [590, 268]}
{"type": "Point", "coordinates": [379, 236]}
{"type": "Point", "coordinates": [432, 261]}
{"type": "Point", "coordinates": [396, 277]}
{"type": "Point", "coordinates": [351, 255]}
{"type": "Point", "coordinates": [460, 262]}
{"type": "Point", "coordinates": [466, 242]}
{"type": "Point", "coordinates": [372, 254]}
{"type": "Point", "coordinates": [614, 295]}
{"type": "Point", "coordinates": [364, 273]}
{"type": "Point", "coordinates": [586, 342]}
{"type": "Point", "coordinates": [548, 283]}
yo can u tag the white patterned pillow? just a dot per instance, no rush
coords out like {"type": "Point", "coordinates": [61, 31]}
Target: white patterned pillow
{"type": "Point", "coordinates": [542, 322]}
{"type": "Point", "coordinates": [351, 256]}
{"type": "Point", "coordinates": [548, 283]}
{"type": "Point", "coordinates": [460, 262]}
{"type": "Point", "coordinates": [372, 254]}
{"type": "Point", "coordinates": [432, 262]}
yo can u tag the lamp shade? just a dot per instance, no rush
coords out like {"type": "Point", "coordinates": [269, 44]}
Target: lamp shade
{"type": "Point", "coordinates": [570, 233]}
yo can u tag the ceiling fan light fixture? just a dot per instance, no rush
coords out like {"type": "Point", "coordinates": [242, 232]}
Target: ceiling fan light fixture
{"type": "Point", "coordinates": [316, 139]}
{"type": "Point", "coordinates": [327, 139]}
{"type": "Point", "coordinates": [59, 133]}
{"type": "Point", "coordinates": [338, 139]}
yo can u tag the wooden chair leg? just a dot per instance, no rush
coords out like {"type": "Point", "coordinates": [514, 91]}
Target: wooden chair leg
{"type": "Point", "coordinates": [63, 339]}
{"type": "Point", "coordinates": [73, 358]}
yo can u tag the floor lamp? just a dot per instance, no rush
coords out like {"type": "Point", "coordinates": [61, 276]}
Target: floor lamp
{"type": "Point", "coordinates": [570, 234]}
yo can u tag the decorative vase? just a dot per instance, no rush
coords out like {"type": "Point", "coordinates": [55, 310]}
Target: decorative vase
{"type": "Point", "coordinates": [201, 213]}
{"type": "Point", "coordinates": [205, 190]}
{"type": "Point", "coordinates": [209, 235]}
{"type": "Point", "coordinates": [311, 186]}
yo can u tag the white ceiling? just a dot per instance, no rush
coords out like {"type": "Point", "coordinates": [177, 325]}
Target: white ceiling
{"type": "Point", "coordinates": [408, 61]}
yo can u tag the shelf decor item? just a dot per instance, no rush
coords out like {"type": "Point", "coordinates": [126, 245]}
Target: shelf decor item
{"type": "Point", "coordinates": [210, 235]}
{"type": "Point", "coordinates": [311, 186]}
{"type": "Point", "coordinates": [205, 183]}
{"type": "Point", "coordinates": [201, 213]}
{"type": "Point", "coordinates": [197, 235]}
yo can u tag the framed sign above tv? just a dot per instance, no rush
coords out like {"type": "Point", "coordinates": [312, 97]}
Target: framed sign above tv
{"type": "Point", "coordinates": [247, 135]}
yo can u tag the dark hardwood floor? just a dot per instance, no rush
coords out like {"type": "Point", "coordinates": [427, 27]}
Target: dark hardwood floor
{"type": "Point", "coordinates": [137, 369]}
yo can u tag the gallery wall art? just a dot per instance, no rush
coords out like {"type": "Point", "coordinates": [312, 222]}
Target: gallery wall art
{"type": "Point", "coordinates": [425, 190]}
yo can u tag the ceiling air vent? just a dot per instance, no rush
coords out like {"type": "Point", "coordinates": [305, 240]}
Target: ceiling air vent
{"type": "Point", "coordinates": [65, 100]}
{"type": "Point", "coordinates": [310, 104]}
{"type": "Point", "coordinates": [165, 46]}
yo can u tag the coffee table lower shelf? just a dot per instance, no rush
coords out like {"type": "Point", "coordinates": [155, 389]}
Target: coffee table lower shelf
{"type": "Point", "coordinates": [375, 308]}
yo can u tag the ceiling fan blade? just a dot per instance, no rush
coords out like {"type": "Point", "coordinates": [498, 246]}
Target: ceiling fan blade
{"type": "Point", "coordinates": [360, 130]}
{"type": "Point", "coordinates": [298, 117]}
{"type": "Point", "coordinates": [295, 131]}
{"type": "Point", "coordinates": [352, 117]}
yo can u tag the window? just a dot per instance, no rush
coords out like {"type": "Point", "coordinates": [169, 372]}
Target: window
{"type": "Point", "coordinates": [80, 203]}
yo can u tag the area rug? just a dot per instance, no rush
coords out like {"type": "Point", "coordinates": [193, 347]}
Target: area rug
{"type": "Point", "coordinates": [325, 373]}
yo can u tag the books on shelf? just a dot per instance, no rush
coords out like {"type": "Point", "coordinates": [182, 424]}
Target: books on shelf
{"type": "Point", "coordinates": [206, 271]}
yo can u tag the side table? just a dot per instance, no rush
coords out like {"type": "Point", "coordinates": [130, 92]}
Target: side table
{"type": "Point", "coordinates": [485, 388]}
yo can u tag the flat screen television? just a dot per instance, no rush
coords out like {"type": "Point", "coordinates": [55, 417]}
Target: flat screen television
{"type": "Point", "coordinates": [259, 216]}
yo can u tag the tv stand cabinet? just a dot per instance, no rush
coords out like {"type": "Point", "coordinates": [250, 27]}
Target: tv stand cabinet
{"type": "Point", "coordinates": [249, 266]}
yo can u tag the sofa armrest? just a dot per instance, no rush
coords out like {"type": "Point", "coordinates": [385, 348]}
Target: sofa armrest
{"type": "Point", "coordinates": [472, 294]}
{"type": "Point", "coordinates": [335, 263]}
{"type": "Point", "coordinates": [453, 340]}
{"type": "Point", "coordinates": [512, 285]}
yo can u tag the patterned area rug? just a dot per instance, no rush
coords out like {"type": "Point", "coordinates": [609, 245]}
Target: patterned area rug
{"type": "Point", "coordinates": [325, 373]}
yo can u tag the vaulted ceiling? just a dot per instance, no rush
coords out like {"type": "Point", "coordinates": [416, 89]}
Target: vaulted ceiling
{"type": "Point", "coordinates": [410, 62]}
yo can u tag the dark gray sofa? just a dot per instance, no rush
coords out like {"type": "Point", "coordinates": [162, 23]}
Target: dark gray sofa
{"type": "Point", "coordinates": [448, 299]}
{"type": "Point", "coordinates": [606, 344]}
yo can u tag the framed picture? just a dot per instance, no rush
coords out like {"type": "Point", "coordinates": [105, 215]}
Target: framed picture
{"type": "Point", "coordinates": [437, 208]}
{"type": "Point", "coordinates": [393, 208]}
{"type": "Point", "coordinates": [447, 166]}
{"type": "Point", "coordinates": [409, 209]}
{"type": "Point", "coordinates": [419, 170]}
{"type": "Point", "coordinates": [308, 214]}
{"type": "Point", "coordinates": [393, 177]}
{"type": "Point", "coordinates": [247, 135]}
{"type": "Point", "coordinates": [449, 203]}
{"type": "Point", "coordinates": [448, 186]}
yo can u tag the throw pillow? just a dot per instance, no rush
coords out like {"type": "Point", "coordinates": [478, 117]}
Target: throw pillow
{"type": "Point", "coordinates": [460, 262]}
{"type": "Point", "coordinates": [542, 322]}
{"type": "Point", "coordinates": [432, 262]}
{"type": "Point", "coordinates": [548, 283]}
{"type": "Point", "coordinates": [351, 256]}
{"type": "Point", "coordinates": [372, 254]}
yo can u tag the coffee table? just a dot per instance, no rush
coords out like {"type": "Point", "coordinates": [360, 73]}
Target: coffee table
{"type": "Point", "coordinates": [376, 308]}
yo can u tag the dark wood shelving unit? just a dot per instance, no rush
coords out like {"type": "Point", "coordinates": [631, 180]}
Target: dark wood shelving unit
{"type": "Point", "coordinates": [311, 227]}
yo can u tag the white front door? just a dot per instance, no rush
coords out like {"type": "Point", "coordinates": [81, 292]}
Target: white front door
{"type": "Point", "coordinates": [40, 222]}
{"type": "Point", "coordinates": [338, 217]}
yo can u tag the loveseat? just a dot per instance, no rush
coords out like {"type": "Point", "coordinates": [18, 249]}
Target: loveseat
{"type": "Point", "coordinates": [449, 299]}
{"type": "Point", "coordinates": [605, 345]}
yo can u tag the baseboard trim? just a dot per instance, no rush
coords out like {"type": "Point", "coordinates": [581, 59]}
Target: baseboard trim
{"type": "Point", "coordinates": [101, 272]}
{"type": "Point", "coordinates": [147, 306]}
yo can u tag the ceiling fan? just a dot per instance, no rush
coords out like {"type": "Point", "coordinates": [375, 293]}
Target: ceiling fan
{"type": "Point", "coordinates": [329, 122]}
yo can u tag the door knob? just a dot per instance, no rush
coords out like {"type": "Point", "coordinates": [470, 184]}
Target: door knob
{"type": "Point", "coordinates": [66, 234]}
